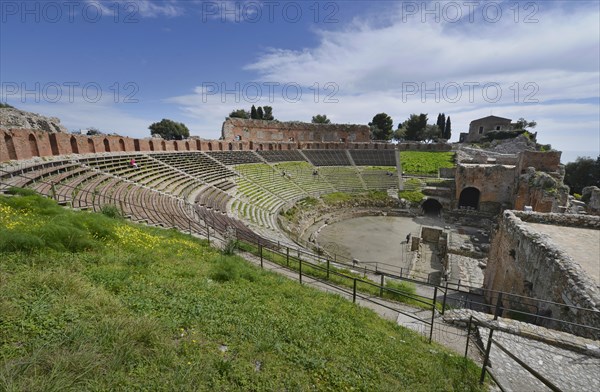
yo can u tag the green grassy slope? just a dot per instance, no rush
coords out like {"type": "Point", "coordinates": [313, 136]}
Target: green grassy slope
{"type": "Point", "coordinates": [89, 302]}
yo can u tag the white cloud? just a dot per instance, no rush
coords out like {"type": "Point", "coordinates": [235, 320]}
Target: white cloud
{"type": "Point", "coordinates": [132, 9]}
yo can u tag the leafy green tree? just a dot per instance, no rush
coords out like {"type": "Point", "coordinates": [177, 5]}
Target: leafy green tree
{"type": "Point", "coordinates": [581, 173]}
{"type": "Point", "coordinates": [239, 113]}
{"type": "Point", "coordinates": [381, 127]}
{"type": "Point", "coordinates": [169, 130]}
{"type": "Point", "coordinates": [441, 123]}
{"type": "Point", "coordinates": [320, 119]}
{"type": "Point", "coordinates": [431, 133]}
{"type": "Point", "coordinates": [415, 126]}
{"type": "Point", "coordinates": [268, 113]}
{"type": "Point", "coordinates": [253, 113]}
{"type": "Point", "coordinates": [524, 124]}
{"type": "Point", "coordinates": [448, 129]}
{"type": "Point", "coordinates": [400, 133]}
{"type": "Point", "coordinates": [259, 113]}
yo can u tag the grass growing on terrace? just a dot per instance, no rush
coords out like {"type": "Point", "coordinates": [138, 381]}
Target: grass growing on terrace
{"type": "Point", "coordinates": [422, 162]}
{"type": "Point", "coordinates": [89, 302]}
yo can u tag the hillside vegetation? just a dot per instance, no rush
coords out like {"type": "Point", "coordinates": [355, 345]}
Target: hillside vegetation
{"type": "Point", "coordinates": [92, 302]}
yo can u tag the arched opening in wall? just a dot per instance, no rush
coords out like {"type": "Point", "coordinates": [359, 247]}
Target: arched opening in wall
{"type": "Point", "coordinates": [136, 144]}
{"type": "Point", "coordinates": [317, 146]}
{"type": "Point", "coordinates": [279, 147]}
{"type": "Point", "coordinates": [74, 146]}
{"type": "Point", "coordinates": [175, 146]}
{"type": "Point", "coordinates": [54, 144]}
{"type": "Point", "coordinates": [198, 145]}
{"type": "Point", "coordinates": [366, 146]}
{"type": "Point", "coordinates": [469, 198]}
{"type": "Point", "coordinates": [163, 145]}
{"type": "Point", "coordinates": [10, 146]}
{"type": "Point", "coordinates": [260, 147]}
{"type": "Point", "coordinates": [91, 146]}
{"type": "Point", "coordinates": [151, 145]}
{"type": "Point", "coordinates": [121, 145]}
{"type": "Point", "coordinates": [376, 146]}
{"type": "Point", "coordinates": [240, 147]}
{"type": "Point", "coordinates": [33, 146]}
{"type": "Point", "coordinates": [431, 207]}
{"type": "Point", "coordinates": [230, 147]}
{"type": "Point", "coordinates": [251, 146]}
{"type": "Point", "coordinates": [289, 146]}
{"type": "Point", "coordinates": [220, 146]}
{"type": "Point", "coordinates": [106, 145]}
{"type": "Point", "coordinates": [270, 147]}
{"type": "Point", "coordinates": [209, 146]}
{"type": "Point", "coordinates": [187, 146]}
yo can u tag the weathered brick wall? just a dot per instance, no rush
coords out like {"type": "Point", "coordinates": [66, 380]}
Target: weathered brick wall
{"type": "Point", "coordinates": [16, 144]}
{"type": "Point", "coordinates": [234, 129]}
{"type": "Point", "coordinates": [496, 184]}
{"type": "Point", "coordinates": [547, 161]}
{"type": "Point", "coordinates": [524, 262]}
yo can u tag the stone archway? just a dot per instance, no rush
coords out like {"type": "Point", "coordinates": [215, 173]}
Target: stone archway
{"type": "Point", "coordinates": [106, 145]}
{"type": "Point", "coordinates": [10, 147]}
{"type": "Point", "coordinates": [122, 144]}
{"type": "Point", "coordinates": [54, 144]}
{"type": "Point", "coordinates": [74, 146]}
{"type": "Point", "coordinates": [91, 146]}
{"type": "Point", "coordinates": [469, 198]}
{"type": "Point", "coordinates": [431, 207]}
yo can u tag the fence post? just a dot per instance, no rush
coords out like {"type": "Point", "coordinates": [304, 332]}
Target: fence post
{"type": "Point", "coordinates": [400, 271]}
{"type": "Point", "coordinates": [327, 269]}
{"type": "Point", "coordinates": [487, 356]}
{"type": "Point", "coordinates": [468, 335]}
{"type": "Point", "coordinates": [433, 313]}
{"type": "Point", "coordinates": [381, 286]}
{"type": "Point", "coordinates": [260, 251]}
{"type": "Point", "coordinates": [207, 232]}
{"type": "Point", "coordinates": [300, 269]}
{"type": "Point", "coordinates": [444, 301]}
{"type": "Point", "coordinates": [489, 342]}
{"type": "Point", "coordinates": [354, 291]}
{"type": "Point", "coordinates": [287, 256]}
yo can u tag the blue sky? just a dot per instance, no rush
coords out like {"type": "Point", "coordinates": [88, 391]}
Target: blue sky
{"type": "Point", "coordinates": [121, 65]}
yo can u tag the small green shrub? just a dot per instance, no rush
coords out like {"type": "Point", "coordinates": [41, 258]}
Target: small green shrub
{"type": "Point", "coordinates": [412, 196]}
{"type": "Point", "coordinates": [111, 211]}
{"type": "Point", "coordinates": [13, 190]}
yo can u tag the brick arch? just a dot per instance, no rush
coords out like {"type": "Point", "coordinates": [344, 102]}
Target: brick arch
{"type": "Point", "coordinates": [74, 146]}
{"type": "Point", "coordinates": [163, 145]}
{"type": "Point", "coordinates": [209, 146]}
{"type": "Point", "coordinates": [106, 145]}
{"type": "Point", "coordinates": [136, 144]}
{"type": "Point", "coordinates": [91, 146]}
{"type": "Point", "coordinates": [54, 144]}
{"type": "Point", "coordinates": [122, 144]}
{"type": "Point", "coordinates": [230, 147]}
{"type": "Point", "coordinates": [220, 146]}
{"type": "Point", "coordinates": [10, 147]}
{"type": "Point", "coordinates": [198, 145]}
{"type": "Point", "coordinates": [151, 145]}
{"type": "Point", "coordinates": [175, 146]}
{"type": "Point", "coordinates": [187, 146]}
{"type": "Point", "coordinates": [469, 198]}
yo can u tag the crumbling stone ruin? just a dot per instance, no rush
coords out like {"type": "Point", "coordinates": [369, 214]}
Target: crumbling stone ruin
{"type": "Point", "coordinates": [15, 118]}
